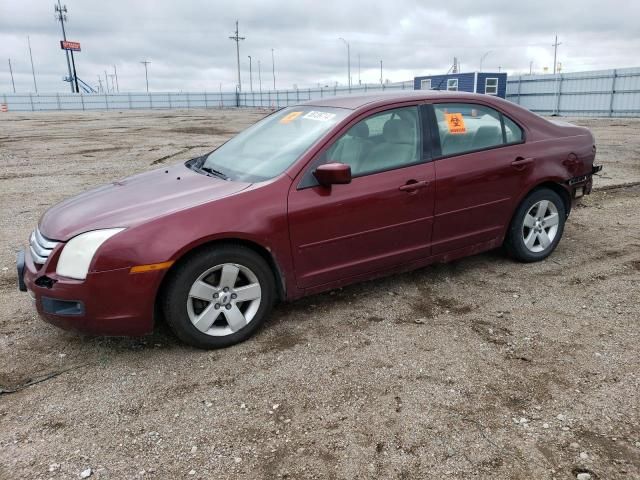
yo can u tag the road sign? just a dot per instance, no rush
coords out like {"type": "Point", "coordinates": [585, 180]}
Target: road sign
{"type": "Point", "coordinates": [67, 45]}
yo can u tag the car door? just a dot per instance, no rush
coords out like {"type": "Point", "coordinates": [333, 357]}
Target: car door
{"type": "Point", "coordinates": [480, 167]}
{"type": "Point", "coordinates": [382, 218]}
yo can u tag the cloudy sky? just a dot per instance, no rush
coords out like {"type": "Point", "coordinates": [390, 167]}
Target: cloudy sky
{"type": "Point", "coordinates": [188, 46]}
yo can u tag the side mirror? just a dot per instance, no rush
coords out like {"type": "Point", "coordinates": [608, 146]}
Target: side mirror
{"type": "Point", "coordinates": [333, 173]}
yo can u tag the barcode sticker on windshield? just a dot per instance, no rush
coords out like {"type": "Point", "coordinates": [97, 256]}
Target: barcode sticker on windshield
{"type": "Point", "coordinates": [319, 116]}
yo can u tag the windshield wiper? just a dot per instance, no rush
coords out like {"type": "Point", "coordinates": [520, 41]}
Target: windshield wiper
{"type": "Point", "coordinates": [212, 172]}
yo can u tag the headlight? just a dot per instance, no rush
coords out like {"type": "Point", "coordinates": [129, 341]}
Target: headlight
{"type": "Point", "coordinates": [77, 254]}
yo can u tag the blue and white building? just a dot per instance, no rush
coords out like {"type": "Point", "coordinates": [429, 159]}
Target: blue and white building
{"type": "Point", "coordinates": [473, 82]}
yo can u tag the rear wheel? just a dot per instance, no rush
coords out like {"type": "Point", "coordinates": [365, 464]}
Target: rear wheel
{"type": "Point", "coordinates": [219, 297]}
{"type": "Point", "coordinates": [537, 226]}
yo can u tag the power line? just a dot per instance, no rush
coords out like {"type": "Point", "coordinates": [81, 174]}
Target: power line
{"type": "Point", "coordinates": [237, 39]}
{"type": "Point", "coordinates": [146, 74]}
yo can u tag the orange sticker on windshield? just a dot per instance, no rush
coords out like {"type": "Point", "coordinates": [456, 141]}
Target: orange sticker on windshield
{"type": "Point", "coordinates": [455, 123]}
{"type": "Point", "coordinates": [290, 117]}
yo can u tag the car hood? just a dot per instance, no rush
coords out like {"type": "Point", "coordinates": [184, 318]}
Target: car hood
{"type": "Point", "coordinates": [134, 200]}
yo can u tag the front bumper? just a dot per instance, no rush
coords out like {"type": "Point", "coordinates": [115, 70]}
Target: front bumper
{"type": "Point", "coordinates": [114, 303]}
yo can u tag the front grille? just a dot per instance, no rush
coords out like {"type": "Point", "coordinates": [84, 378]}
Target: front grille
{"type": "Point", "coordinates": [41, 247]}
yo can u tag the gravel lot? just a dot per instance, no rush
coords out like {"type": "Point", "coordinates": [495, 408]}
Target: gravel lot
{"type": "Point", "coordinates": [481, 368]}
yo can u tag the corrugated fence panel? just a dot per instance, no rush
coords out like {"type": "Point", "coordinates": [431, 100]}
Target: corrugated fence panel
{"type": "Point", "coordinates": [596, 93]}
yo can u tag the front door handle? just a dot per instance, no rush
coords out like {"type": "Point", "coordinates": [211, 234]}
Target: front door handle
{"type": "Point", "coordinates": [413, 185]}
{"type": "Point", "coordinates": [521, 163]}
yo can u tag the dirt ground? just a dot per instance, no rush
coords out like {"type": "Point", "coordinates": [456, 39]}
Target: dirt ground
{"type": "Point", "coordinates": [481, 368]}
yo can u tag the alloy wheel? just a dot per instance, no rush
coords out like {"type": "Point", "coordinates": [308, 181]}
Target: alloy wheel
{"type": "Point", "coordinates": [540, 226]}
{"type": "Point", "coordinates": [224, 299]}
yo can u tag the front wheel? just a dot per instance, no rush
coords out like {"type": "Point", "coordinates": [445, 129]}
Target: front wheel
{"type": "Point", "coordinates": [536, 227]}
{"type": "Point", "coordinates": [219, 297]}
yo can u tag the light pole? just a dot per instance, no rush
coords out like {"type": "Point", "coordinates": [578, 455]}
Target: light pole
{"type": "Point", "coordinates": [146, 74]}
{"type": "Point", "coordinates": [11, 72]}
{"type": "Point", "coordinates": [273, 69]}
{"type": "Point", "coordinates": [482, 59]}
{"type": "Point", "coordinates": [555, 54]}
{"type": "Point", "coordinates": [115, 73]}
{"type": "Point", "coordinates": [348, 62]}
{"type": "Point", "coordinates": [33, 70]}
{"type": "Point", "coordinates": [61, 15]}
{"type": "Point", "coordinates": [250, 75]}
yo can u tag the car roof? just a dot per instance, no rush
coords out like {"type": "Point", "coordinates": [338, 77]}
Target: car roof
{"type": "Point", "coordinates": [356, 101]}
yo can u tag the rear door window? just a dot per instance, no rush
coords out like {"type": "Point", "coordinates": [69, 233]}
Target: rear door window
{"type": "Point", "coordinates": [464, 128]}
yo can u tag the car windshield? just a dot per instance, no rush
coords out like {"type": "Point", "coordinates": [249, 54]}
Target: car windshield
{"type": "Point", "coordinates": [266, 149]}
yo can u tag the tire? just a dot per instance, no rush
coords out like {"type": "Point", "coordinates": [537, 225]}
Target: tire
{"type": "Point", "coordinates": [202, 298]}
{"type": "Point", "coordinates": [538, 238]}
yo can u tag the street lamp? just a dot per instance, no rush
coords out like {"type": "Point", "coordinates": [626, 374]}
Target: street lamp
{"type": "Point", "coordinates": [348, 62]}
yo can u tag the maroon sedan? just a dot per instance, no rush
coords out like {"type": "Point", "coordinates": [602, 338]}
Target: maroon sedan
{"type": "Point", "coordinates": [310, 198]}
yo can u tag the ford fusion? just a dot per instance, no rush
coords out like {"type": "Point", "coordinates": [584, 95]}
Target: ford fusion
{"type": "Point", "coordinates": [310, 198]}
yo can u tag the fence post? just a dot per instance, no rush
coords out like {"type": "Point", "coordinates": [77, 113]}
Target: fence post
{"type": "Point", "coordinates": [130, 104]}
{"type": "Point", "coordinates": [613, 91]}
{"type": "Point", "coordinates": [206, 102]}
{"type": "Point", "coordinates": [519, 87]}
{"type": "Point", "coordinates": [169, 96]}
{"type": "Point", "coordinates": [106, 101]}
{"type": "Point", "coordinates": [58, 100]}
{"type": "Point", "coordinates": [188, 101]}
{"type": "Point", "coordinates": [150, 101]}
{"type": "Point", "coordinates": [31, 100]}
{"type": "Point", "coordinates": [321, 93]}
{"type": "Point", "coordinates": [82, 101]}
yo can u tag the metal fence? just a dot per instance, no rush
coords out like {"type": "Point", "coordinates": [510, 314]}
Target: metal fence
{"type": "Point", "coordinates": [28, 102]}
{"type": "Point", "coordinates": [601, 93]}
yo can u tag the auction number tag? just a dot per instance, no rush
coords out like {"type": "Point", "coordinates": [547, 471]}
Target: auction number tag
{"type": "Point", "coordinates": [455, 123]}
{"type": "Point", "coordinates": [290, 117]}
{"type": "Point", "coordinates": [319, 116]}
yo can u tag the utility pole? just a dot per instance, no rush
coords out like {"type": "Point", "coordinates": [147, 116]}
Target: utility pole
{"type": "Point", "coordinates": [11, 72]}
{"type": "Point", "coordinates": [33, 71]}
{"type": "Point", "coordinates": [61, 15]}
{"type": "Point", "coordinates": [237, 39]}
{"type": "Point", "coordinates": [273, 68]}
{"type": "Point", "coordinates": [115, 72]}
{"type": "Point", "coordinates": [555, 54]}
{"type": "Point", "coordinates": [348, 62]}
{"type": "Point", "coordinates": [146, 74]}
{"type": "Point", "coordinates": [250, 75]}
{"type": "Point", "coordinates": [380, 72]}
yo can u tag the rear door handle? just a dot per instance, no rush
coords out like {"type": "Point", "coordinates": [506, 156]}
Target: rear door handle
{"type": "Point", "coordinates": [413, 185]}
{"type": "Point", "coordinates": [521, 163]}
